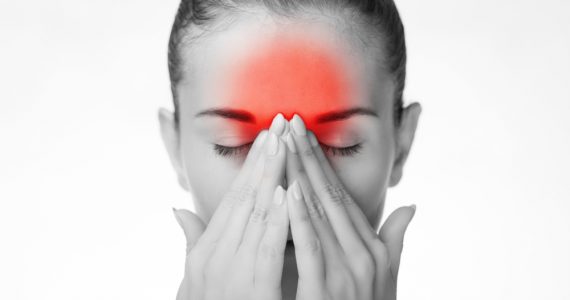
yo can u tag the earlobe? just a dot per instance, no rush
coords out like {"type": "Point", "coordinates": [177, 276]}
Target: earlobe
{"type": "Point", "coordinates": [171, 140]}
{"type": "Point", "coordinates": [404, 138]}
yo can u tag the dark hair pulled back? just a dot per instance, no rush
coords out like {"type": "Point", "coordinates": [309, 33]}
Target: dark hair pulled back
{"type": "Point", "coordinates": [381, 15]}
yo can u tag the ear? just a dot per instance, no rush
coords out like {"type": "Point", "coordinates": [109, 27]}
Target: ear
{"type": "Point", "coordinates": [404, 138]}
{"type": "Point", "coordinates": [171, 140]}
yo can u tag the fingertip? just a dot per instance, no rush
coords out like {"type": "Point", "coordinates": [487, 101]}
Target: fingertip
{"type": "Point", "coordinates": [397, 223]}
{"type": "Point", "coordinates": [298, 125]}
{"type": "Point", "coordinates": [278, 124]}
{"type": "Point", "coordinates": [177, 217]}
{"type": "Point", "coordinates": [164, 113]}
{"type": "Point", "coordinates": [313, 139]}
{"type": "Point", "coordinates": [411, 212]}
{"type": "Point", "coordinates": [261, 137]}
{"type": "Point", "coordinates": [407, 212]}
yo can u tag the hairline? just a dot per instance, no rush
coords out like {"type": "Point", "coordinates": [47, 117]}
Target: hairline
{"type": "Point", "coordinates": [350, 20]}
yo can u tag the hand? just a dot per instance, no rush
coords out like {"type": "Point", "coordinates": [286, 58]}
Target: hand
{"type": "Point", "coordinates": [239, 255]}
{"type": "Point", "coordinates": [339, 255]}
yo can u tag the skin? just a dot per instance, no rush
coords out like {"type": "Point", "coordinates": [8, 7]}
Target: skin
{"type": "Point", "coordinates": [363, 177]}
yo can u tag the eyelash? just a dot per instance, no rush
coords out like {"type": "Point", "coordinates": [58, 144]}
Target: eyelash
{"type": "Point", "coordinates": [344, 151]}
{"type": "Point", "coordinates": [231, 151]}
{"type": "Point", "coordinates": [225, 151]}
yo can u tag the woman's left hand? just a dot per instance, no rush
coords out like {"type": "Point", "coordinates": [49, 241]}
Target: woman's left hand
{"type": "Point", "coordinates": [338, 253]}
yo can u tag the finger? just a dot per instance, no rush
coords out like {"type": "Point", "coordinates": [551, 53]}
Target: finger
{"type": "Point", "coordinates": [193, 228]}
{"type": "Point", "coordinates": [219, 218]}
{"type": "Point", "coordinates": [191, 224]}
{"type": "Point", "coordinates": [256, 226]}
{"type": "Point", "coordinates": [355, 213]}
{"type": "Point", "coordinates": [278, 126]}
{"type": "Point", "coordinates": [332, 196]}
{"type": "Point", "coordinates": [273, 171]}
{"type": "Point", "coordinates": [249, 170]}
{"type": "Point", "coordinates": [392, 234]}
{"type": "Point", "coordinates": [295, 172]}
{"type": "Point", "coordinates": [241, 202]}
{"type": "Point", "coordinates": [270, 255]}
{"type": "Point", "coordinates": [248, 174]}
{"type": "Point", "coordinates": [242, 214]}
{"type": "Point", "coordinates": [308, 249]}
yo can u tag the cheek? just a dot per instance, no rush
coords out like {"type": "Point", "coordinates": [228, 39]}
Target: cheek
{"type": "Point", "coordinates": [209, 176]}
{"type": "Point", "coordinates": [366, 178]}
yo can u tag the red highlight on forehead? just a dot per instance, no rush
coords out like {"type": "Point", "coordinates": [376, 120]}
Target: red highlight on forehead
{"type": "Point", "coordinates": [290, 76]}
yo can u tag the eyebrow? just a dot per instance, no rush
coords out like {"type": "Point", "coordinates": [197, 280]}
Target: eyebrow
{"type": "Point", "coordinates": [245, 116]}
{"type": "Point", "coordinates": [228, 113]}
{"type": "Point", "coordinates": [345, 114]}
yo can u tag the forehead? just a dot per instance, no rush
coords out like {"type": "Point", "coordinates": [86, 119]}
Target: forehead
{"type": "Point", "coordinates": [268, 65]}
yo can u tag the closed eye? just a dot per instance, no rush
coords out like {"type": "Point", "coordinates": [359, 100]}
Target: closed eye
{"type": "Point", "coordinates": [231, 151]}
{"type": "Point", "coordinates": [226, 151]}
{"type": "Point", "coordinates": [342, 151]}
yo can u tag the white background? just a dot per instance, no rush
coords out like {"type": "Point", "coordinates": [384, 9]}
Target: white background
{"type": "Point", "coordinates": [86, 189]}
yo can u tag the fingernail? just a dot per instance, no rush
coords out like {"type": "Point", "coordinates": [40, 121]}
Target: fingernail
{"type": "Point", "coordinates": [261, 138]}
{"type": "Point", "coordinates": [313, 139]}
{"type": "Point", "coordinates": [297, 195]}
{"type": "Point", "coordinates": [279, 195]}
{"type": "Point", "coordinates": [291, 144]}
{"type": "Point", "coordinates": [286, 128]}
{"type": "Point", "coordinates": [273, 145]}
{"type": "Point", "coordinates": [278, 124]}
{"type": "Point", "coordinates": [298, 125]}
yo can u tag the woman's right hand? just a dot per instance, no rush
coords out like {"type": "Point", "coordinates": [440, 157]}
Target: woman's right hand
{"type": "Point", "coordinates": [239, 255]}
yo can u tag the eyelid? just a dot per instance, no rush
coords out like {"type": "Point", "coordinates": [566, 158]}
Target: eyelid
{"type": "Point", "coordinates": [231, 151]}
{"type": "Point", "coordinates": [342, 151]}
{"type": "Point", "coordinates": [228, 151]}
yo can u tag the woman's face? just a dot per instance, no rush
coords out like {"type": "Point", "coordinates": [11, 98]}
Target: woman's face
{"type": "Point", "coordinates": [238, 77]}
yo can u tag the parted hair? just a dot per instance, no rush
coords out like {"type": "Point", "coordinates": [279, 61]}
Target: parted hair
{"type": "Point", "coordinates": [194, 17]}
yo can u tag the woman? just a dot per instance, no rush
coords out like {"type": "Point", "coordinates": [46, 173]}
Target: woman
{"type": "Point", "coordinates": [291, 212]}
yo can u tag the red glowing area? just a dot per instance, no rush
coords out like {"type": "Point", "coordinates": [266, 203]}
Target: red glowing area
{"type": "Point", "coordinates": [290, 76]}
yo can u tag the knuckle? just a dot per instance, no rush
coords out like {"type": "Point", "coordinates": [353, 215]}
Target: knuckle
{"type": "Point", "coordinates": [315, 207]}
{"type": "Point", "coordinates": [268, 175]}
{"type": "Point", "coordinates": [364, 265]}
{"type": "Point", "coordinates": [276, 221]}
{"type": "Point", "coordinates": [343, 285]}
{"type": "Point", "coordinates": [240, 195]}
{"type": "Point", "coordinates": [300, 171]}
{"type": "Point", "coordinates": [269, 251]}
{"type": "Point", "coordinates": [303, 218]}
{"type": "Point", "coordinates": [311, 246]}
{"type": "Point", "coordinates": [258, 215]}
{"type": "Point", "coordinates": [307, 152]}
{"type": "Point", "coordinates": [336, 193]}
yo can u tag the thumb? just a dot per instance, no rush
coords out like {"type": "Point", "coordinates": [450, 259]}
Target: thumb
{"type": "Point", "coordinates": [192, 226]}
{"type": "Point", "coordinates": [392, 234]}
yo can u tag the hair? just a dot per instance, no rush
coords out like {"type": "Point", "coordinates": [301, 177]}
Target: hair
{"type": "Point", "coordinates": [382, 16]}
